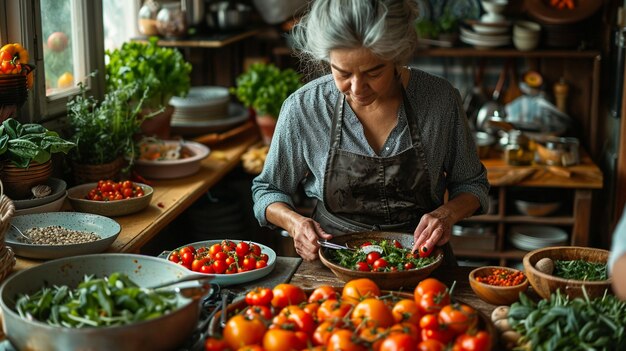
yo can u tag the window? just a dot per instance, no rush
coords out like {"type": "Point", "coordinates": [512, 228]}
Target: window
{"type": "Point", "coordinates": [66, 41]}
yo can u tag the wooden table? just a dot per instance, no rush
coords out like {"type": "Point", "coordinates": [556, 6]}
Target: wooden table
{"type": "Point", "coordinates": [172, 197]}
{"type": "Point", "coordinates": [313, 274]}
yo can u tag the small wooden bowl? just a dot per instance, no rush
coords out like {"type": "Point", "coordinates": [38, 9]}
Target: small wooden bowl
{"type": "Point", "coordinates": [496, 295]}
{"type": "Point", "coordinates": [546, 284]}
{"type": "Point", "coordinates": [406, 280]}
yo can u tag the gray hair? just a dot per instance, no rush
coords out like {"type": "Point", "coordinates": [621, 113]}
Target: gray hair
{"type": "Point", "coordinates": [386, 27]}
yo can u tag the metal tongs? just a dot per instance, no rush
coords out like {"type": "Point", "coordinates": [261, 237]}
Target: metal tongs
{"type": "Point", "coordinates": [334, 246]}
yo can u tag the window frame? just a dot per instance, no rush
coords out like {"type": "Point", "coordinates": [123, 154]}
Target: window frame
{"type": "Point", "coordinates": [22, 23]}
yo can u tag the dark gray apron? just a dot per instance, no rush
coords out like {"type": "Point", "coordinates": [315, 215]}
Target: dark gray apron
{"type": "Point", "coordinates": [363, 193]}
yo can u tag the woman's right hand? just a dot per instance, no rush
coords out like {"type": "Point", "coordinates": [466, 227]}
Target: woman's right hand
{"type": "Point", "coordinates": [305, 233]}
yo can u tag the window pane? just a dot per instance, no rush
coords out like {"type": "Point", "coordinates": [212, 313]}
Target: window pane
{"type": "Point", "coordinates": [120, 22]}
{"type": "Point", "coordinates": [63, 45]}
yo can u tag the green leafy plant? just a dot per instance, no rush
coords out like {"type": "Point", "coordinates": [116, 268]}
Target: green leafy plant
{"type": "Point", "coordinates": [105, 130]}
{"type": "Point", "coordinates": [264, 87]}
{"type": "Point", "coordinates": [22, 143]}
{"type": "Point", "coordinates": [159, 71]}
{"type": "Point", "coordinates": [431, 28]}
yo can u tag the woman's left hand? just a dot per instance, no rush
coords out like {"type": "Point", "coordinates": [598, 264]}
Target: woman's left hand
{"type": "Point", "coordinates": [433, 229]}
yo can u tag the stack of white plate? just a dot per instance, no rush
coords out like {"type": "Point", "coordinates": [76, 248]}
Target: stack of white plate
{"type": "Point", "coordinates": [201, 104]}
{"type": "Point", "coordinates": [532, 237]}
{"type": "Point", "coordinates": [49, 203]}
{"type": "Point", "coordinates": [486, 35]}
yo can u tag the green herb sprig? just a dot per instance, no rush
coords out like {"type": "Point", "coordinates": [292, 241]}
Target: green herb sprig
{"type": "Point", "coordinates": [580, 270]}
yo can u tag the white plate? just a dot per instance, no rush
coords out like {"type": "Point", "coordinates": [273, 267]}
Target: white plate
{"type": "Point", "coordinates": [237, 115]}
{"type": "Point", "coordinates": [58, 190]}
{"type": "Point", "coordinates": [107, 228]}
{"type": "Point", "coordinates": [203, 96]}
{"type": "Point", "coordinates": [489, 28]}
{"type": "Point", "coordinates": [468, 33]}
{"type": "Point", "coordinates": [171, 169]}
{"type": "Point", "coordinates": [49, 207]}
{"type": "Point", "coordinates": [484, 43]}
{"type": "Point", "coordinates": [531, 237]}
{"type": "Point", "coordinates": [238, 278]}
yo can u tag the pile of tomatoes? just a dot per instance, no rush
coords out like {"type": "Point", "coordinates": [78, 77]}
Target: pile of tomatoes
{"type": "Point", "coordinates": [390, 256]}
{"type": "Point", "coordinates": [109, 190]}
{"type": "Point", "coordinates": [358, 317]}
{"type": "Point", "coordinates": [226, 257]}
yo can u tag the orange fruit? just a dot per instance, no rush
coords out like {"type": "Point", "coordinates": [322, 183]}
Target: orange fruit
{"type": "Point", "coordinates": [533, 79]}
{"type": "Point", "coordinates": [66, 80]}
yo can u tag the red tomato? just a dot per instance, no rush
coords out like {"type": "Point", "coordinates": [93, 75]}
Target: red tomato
{"type": "Point", "coordinates": [323, 293]}
{"type": "Point", "coordinates": [425, 252]}
{"type": "Point", "coordinates": [430, 345]}
{"type": "Point", "coordinates": [219, 266]}
{"type": "Point", "coordinates": [197, 264]}
{"type": "Point", "coordinates": [258, 311]}
{"type": "Point", "coordinates": [259, 296]}
{"type": "Point", "coordinates": [261, 264]}
{"type": "Point", "coordinates": [263, 257]}
{"type": "Point", "coordinates": [409, 265]}
{"type": "Point", "coordinates": [174, 257]}
{"type": "Point", "coordinates": [379, 265]}
{"type": "Point", "coordinates": [220, 256]}
{"type": "Point", "coordinates": [255, 249]}
{"type": "Point", "coordinates": [249, 263]}
{"type": "Point", "coordinates": [232, 268]}
{"type": "Point", "coordinates": [301, 320]}
{"type": "Point", "coordinates": [287, 294]}
{"type": "Point", "coordinates": [207, 269]}
{"type": "Point", "coordinates": [372, 257]}
{"type": "Point", "coordinates": [187, 258]}
{"type": "Point", "coordinates": [397, 244]}
{"type": "Point", "coordinates": [242, 248]}
{"type": "Point", "coordinates": [362, 266]}
{"type": "Point", "coordinates": [473, 342]}
{"type": "Point", "coordinates": [215, 344]}
{"type": "Point", "coordinates": [215, 248]}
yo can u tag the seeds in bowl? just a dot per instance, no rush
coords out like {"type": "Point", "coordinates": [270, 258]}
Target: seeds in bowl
{"type": "Point", "coordinates": [57, 235]}
{"type": "Point", "coordinates": [502, 277]}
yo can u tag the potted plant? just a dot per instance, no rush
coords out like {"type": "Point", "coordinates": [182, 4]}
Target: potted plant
{"type": "Point", "coordinates": [159, 73]}
{"type": "Point", "coordinates": [25, 152]}
{"type": "Point", "coordinates": [264, 87]}
{"type": "Point", "coordinates": [104, 132]}
{"type": "Point", "coordinates": [445, 28]}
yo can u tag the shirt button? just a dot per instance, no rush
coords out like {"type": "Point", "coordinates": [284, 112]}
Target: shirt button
{"type": "Point", "coordinates": [387, 148]}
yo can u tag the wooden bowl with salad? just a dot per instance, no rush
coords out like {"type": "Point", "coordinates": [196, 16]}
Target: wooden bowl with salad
{"type": "Point", "coordinates": [169, 159]}
{"type": "Point", "coordinates": [569, 269]}
{"type": "Point", "coordinates": [384, 257]}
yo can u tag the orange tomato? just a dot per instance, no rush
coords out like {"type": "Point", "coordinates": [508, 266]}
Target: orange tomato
{"type": "Point", "coordinates": [287, 294]}
{"type": "Point", "coordinates": [372, 312]}
{"type": "Point", "coordinates": [374, 336]}
{"type": "Point", "coordinates": [399, 342]}
{"type": "Point", "coordinates": [359, 289]}
{"type": "Point", "coordinates": [323, 293]}
{"type": "Point", "coordinates": [282, 340]}
{"type": "Point", "coordinates": [458, 317]}
{"type": "Point", "coordinates": [242, 330]}
{"type": "Point", "coordinates": [333, 310]}
{"type": "Point", "coordinates": [343, 340]}
{"type": "Point", "coordinates": [431, 295]}
{"type": "Point", "coordinates": [406, 310]}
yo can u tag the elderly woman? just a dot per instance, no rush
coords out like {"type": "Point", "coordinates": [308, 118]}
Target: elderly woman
{"type": "Point", "coordinates": [375, 142]}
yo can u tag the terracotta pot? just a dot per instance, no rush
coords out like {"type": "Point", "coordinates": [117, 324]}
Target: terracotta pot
{"type": "Point", "coordinates": [267, 125]}
{"type": "Point", "coordinates": [159, 125]}
{"type": "Point", "coordinates": [18, 181]}
{"type": "Point", "coordinates": [92, 173]}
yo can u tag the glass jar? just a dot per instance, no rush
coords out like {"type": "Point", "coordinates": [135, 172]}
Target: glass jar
{"type": "Point", "coordinates": [171, 21]}
{"type": "Point", "coordinates": [517, 151]}
{"type": "Point", "coordinates": [147, 18]}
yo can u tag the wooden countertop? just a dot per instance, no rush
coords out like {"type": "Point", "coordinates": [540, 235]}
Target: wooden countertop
{"type": "Point", "coordinates": [213, 41]}
{"type": "Point", "coordinates": [172, 197]}
{"type": "Point", "coordinates": [313, 274]}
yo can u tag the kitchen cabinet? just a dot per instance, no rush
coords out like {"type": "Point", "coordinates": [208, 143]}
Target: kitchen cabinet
{"type": "Point", "coordinates": [574, 186]}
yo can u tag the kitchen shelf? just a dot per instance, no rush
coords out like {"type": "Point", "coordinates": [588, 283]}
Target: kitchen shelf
{"type": "Point", "coordinates": [506, 53]}
{"type": "Point", "coordinates": [575, 192]}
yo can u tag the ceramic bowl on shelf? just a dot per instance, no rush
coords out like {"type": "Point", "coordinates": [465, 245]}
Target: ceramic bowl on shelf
{"type": "Point", "coordinates": [494, 294]}
{"type": "Point", "coordinates": [537, 209]}
{"type": "Point", "coordinates": [545, 284]}
{"type": "Point", "coordinates": [192, 155]}
{"type": "Point", "coordinates": [58, 187]}
{"type": "Point", "coordinates": [531, 237]}
{"type": "Point", "coordinates": [385, 280]}
{"type": "Point", "coordinates": [52, 206]}
{"type": "Point", "coordinates": [77, 196]}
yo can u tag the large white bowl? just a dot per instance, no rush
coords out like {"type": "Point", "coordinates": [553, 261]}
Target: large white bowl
{"type": "Point", "coordinates": [167, 332]}
{"type": "Point", "coordinates": [170, 169]}
{"type": "Point", "coordinates": [77, 195]}
{"type": "Point", "coordinates": [106, 228]}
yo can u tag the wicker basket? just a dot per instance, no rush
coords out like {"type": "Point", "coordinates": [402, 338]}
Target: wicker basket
{"type": "Point", "coordinates": [7, 258]}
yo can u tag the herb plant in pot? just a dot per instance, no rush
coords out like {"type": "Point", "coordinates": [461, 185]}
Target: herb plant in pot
{"type": "Point", "coordinates": [160, 74]}
{"type": "Point", "coordinates": [264, 87]}
{"type": "Point", "coordinates": [25, 152]}
{"type": "Point", "coordinates": [104, 132]}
